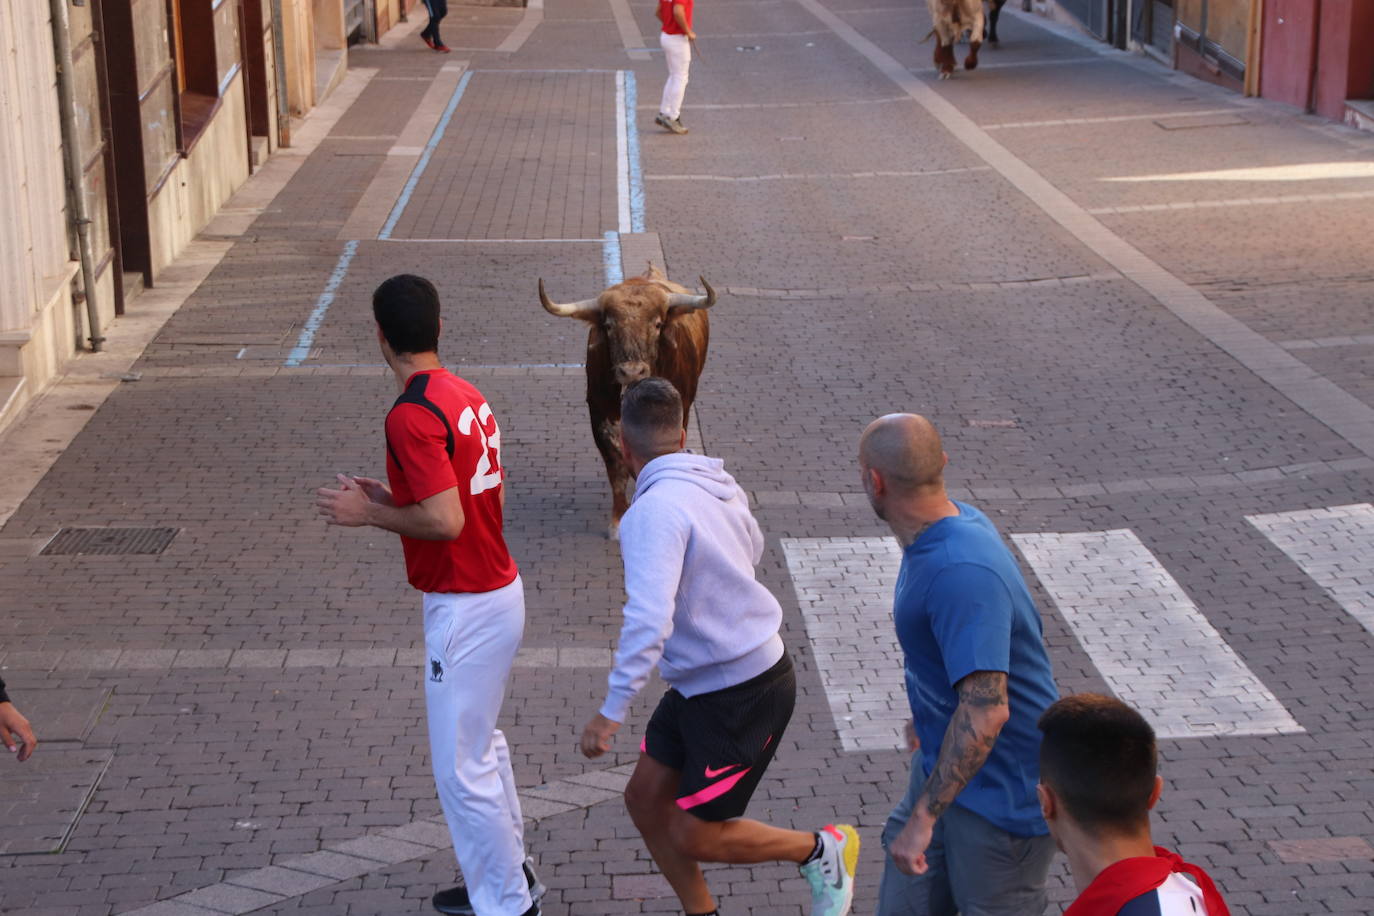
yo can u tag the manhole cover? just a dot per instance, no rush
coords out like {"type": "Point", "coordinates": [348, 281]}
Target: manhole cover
{"type": "Point", "coordinates": [108, 541]}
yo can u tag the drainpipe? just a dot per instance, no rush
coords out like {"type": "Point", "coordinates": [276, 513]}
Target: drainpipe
{"type": "Point", "coordinates": [1315, 48]}
{"type": "Point", "coordinates": [1253, 52]}
{"type": "Point", "coordinates": [1202, 33]}
{"type": "Point", "coordinates": [279, 54]}
{"type": "Point", "coordinates": [76, 200]}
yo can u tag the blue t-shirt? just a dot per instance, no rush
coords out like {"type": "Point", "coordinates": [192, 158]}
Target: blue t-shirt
{"type": "Point", "coordinates": [961, 606]}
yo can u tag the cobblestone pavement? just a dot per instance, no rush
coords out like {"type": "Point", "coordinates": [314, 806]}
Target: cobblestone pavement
{"type": "Point", "coordinates": [1137, 306]}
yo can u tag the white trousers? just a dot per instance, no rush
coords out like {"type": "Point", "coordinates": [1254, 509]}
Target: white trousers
{"type": "Point", "coordinates": [677, 51]}
{"type": "Point", "coordinates": [470, 644]}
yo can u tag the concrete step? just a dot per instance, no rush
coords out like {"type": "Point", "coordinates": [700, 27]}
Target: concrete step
{"type": "Point", "coordinates": [331, 65]}
{"type": "Point", "coordinates": [133, 287]}
{"type": "Point", "coordinates": [259, 146]}
{"type": "Point", "coordinates": [13, 398]}
{"type": "Point", "coordinates": [1359, 113]}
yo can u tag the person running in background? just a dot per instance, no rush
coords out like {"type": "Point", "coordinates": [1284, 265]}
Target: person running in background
{"type": "Point", "coordinates": [15, 730]}
{"type": "Point", "coordinates": [690, 546]}
{"type": "Point", "coordinates": [1098, 782]}
{"type": "Point", "coordinates": [968, 836]}
{"type": "Point", "coordinates": [446, 500]}
{"type": "Point", "coordinates": [438, 9]}
{"type": "Point", "coordinates": [676, 39]}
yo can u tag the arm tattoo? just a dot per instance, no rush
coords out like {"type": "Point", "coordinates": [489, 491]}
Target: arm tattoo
{"type": "Point", "coordinates": [967, 742]}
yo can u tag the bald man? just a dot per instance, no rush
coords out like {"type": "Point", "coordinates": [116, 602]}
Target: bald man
{"type": "Point", "coordinates": [968, 838]}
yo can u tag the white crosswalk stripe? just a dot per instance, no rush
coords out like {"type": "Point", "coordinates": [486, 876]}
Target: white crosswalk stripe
{"type": "Point", "coordinates": [1335, 547]}
{"type": "Point", "coordinates": [844, 586]}
{"type": "Point", "coordinates": [1148, 639]}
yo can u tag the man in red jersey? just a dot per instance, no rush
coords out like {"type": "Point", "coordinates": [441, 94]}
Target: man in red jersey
{"type": "Point", "coordinates": [1098, 781]}
{"type": "Point", "coordinates": [676, 39]}
{"type": "Point", "coordinates": [445, 501]}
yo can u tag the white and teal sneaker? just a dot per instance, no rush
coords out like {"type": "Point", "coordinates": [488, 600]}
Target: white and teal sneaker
{"type": "Point", "coordinates": [831, 874]}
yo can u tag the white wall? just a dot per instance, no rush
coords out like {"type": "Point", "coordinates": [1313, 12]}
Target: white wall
{"type": "Point", "coordinates": [34, 252]}
{"type": "Point", "coordinates": [200, 183]}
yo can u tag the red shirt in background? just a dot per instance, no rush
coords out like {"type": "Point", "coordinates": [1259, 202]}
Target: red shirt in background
{"type": "Point", "coordinates": [665, 16]}
{"type": "Point", "coordinates": [441, 433]}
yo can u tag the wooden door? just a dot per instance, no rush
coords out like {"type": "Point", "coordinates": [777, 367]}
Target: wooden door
{"type": "Point", "coordinates": [1286, 58]}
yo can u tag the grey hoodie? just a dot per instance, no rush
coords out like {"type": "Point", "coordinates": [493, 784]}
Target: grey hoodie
{"type": "Point", "coordinates": [690, 544]}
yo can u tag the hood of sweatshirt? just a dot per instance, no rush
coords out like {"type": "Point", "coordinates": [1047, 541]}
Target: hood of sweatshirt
{"type": "Point", "coordinates": [707, 473]}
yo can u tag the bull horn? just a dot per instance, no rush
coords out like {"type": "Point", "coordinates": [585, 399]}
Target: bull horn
{"type": "Point", "coordinates": [565, 310]}
{"type": "Point", "coordinates": [689, 301]}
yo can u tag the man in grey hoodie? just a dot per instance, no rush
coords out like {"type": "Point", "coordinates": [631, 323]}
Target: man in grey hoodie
{"type": "Point", "coordinates": [690, 544]}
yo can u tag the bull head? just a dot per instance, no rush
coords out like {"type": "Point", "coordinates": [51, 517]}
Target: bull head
{"type": "Point", "coordinates": [588, 309]}
{"type": "Point", "coordinates": [629, 318]}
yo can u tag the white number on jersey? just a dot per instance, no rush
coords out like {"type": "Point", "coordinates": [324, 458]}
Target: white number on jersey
{"type": "Point", "coordinates": [488, 473]}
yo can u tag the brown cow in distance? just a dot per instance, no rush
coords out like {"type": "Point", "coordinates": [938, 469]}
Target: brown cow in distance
{"type": "Point", "coordinates": [643, 326]}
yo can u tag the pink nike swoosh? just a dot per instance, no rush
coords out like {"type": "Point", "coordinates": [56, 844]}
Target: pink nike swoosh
{"type": "Point", "coordinates": [712, 774]}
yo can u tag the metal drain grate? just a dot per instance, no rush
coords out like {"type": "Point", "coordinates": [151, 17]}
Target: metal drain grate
{"type": "Point", "coordinates": [108, 541]}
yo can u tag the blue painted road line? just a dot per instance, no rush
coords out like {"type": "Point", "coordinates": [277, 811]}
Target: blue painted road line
{"type": "Point", "coordinates": [301, 351]}
{"type": "Point", "coordinates": [610, 256]}
{"type": "Point", "coordinates": [420, 166]}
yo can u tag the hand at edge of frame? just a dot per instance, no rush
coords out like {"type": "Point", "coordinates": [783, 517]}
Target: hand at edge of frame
{"type": "Point", "coordinates": [16, 732]}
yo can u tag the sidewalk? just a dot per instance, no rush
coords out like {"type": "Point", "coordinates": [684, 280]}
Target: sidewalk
{"type": "Point", "coordinates": [1132, 302]}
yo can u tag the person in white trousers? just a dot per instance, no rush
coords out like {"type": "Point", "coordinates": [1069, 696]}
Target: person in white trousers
{"type": "Point", "coordinates": [446, 500]}
{"type": "Point", "coordinates": [676, 39]}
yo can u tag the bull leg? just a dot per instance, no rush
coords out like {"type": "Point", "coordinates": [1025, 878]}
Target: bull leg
{"type": "Point", "coordinates": [944, 52]}
{"type": "Point", "coordinates": [944, 59]}
{"type": "Point", "coordinates": [946, 33]}
{"type": "Point", "coordinates": [975, 37]}
{"type": "Point", "coordinates": [607, 435]}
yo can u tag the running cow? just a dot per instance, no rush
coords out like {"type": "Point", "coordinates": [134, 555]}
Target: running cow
{"type": "Point", "coordinates": [951, 19]}
{"type": "Point", "coordinates": [644, 326]}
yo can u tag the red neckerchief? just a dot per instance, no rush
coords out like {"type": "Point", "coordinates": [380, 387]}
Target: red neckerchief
{"type": "Point", "coordinates": [1122, 882]}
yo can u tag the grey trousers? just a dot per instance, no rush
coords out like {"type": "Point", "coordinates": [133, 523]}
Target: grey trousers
{"type": "Point", "coordinates": [976, 868]}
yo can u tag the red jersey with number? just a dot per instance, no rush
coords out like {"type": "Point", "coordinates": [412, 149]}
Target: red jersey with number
{"type": "Point", "coordinates": [665, 16]}
{"type": "Point", "coordinates": [441, 434]}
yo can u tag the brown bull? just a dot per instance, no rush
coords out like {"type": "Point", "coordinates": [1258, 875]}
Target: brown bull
{"type": "Point", "coordinates": [643, 326]}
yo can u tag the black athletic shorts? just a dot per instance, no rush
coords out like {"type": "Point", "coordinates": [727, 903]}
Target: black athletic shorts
{"type": "Point", "coordinates": [722, 741]}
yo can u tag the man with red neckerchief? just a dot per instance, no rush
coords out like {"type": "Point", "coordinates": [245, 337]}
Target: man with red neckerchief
{"type": "Point", "coordinates": [1098, 782]}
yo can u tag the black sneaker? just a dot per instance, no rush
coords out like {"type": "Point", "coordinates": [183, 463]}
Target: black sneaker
{"type": "Point", "coordinates": [468, 911]}
{"type": "Point", "coordinates": [455, 902]}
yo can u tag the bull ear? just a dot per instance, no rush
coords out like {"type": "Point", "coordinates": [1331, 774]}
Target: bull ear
{"type": "Point", "coordinates": [681, 303]}
{"type": "Point", "coordinates": [586, 310]}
